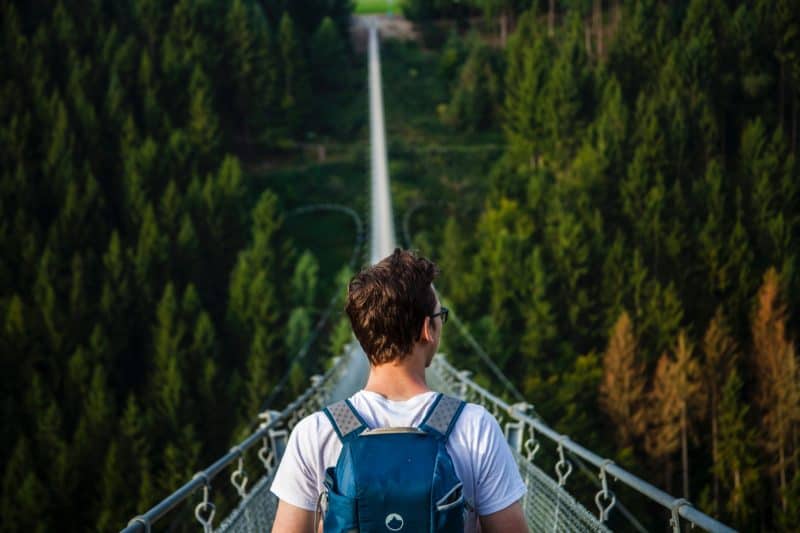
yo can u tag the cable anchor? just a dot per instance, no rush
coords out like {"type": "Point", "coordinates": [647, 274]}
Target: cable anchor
{"type": "Point", "coordinates": [204, 512]}
{"type": "Point", "coordinates": [563, 466]}
{"type": "Point", "coordinates": [239, 477]}
{"type": "Point", "coordinates": [604, 494]}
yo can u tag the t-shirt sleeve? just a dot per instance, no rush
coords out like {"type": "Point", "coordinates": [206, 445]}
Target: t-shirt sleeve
{"type": "Point", "coordinates": [296, 480]}
{"type": "Point", "coordinates": [499, 483]}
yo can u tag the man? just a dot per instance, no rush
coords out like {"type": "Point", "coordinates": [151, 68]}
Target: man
{"type": "Point", "coordinates": [397, 318]}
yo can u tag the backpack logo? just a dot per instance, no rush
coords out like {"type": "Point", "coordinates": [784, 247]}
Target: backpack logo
{"type": "Point", "coordinates": [394, 522]}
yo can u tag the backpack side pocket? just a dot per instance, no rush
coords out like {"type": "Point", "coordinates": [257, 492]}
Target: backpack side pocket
{"type": "Point", "coordinates": [341, 515]}
{"type": "Point", "coordinates": [449, 512]}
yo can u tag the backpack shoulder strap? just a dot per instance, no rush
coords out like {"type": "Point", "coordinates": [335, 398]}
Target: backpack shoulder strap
{"type": "Point", "coordinates": [442, 415]}
{"type": "Point", "coordinates": [345, 420]}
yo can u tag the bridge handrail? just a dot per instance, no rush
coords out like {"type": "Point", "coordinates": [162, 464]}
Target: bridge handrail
{"type": "Point", "coordinates": [516, 411]}
{"type": "Point", "coordinates": [143, 522]}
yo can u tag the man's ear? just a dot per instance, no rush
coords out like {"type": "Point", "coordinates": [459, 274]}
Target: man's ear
{"type": "Point", "coordinates": [426, 334]}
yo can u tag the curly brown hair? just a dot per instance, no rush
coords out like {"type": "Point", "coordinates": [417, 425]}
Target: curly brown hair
{"type": "Point", "coordinates": [388, 302]}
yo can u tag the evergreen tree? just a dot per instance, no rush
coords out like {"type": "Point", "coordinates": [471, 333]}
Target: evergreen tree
{"type": "Point", "coordinates": [622, 387]}
{"type": "Point", "coordinates": [203, 125]}
{"type": "Point", "coordinates": [304, 280]}
{"type": "Point", "coordinates": [720, 353]}
{"type": "Point", "coordinates": [736, 453]}
{"type": "Point", "coordinates": [478, 92]}
{"type": "Point", "coordinates": [296, 91]}
{"type": "Point", "coordinates": [24, 494]}
{"type": "Point", "coordinates": [328, 57]}
{"type": "Point", "coordinates": [778, 379]}
{"type": "Point", "coordinates": [168, 358]}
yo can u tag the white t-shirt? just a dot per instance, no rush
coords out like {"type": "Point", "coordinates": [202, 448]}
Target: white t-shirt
{"type": "Point", "coordinates": [481, 456]}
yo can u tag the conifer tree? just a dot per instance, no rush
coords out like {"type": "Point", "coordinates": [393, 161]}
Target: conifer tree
{"type": "Point", "coordinates": [720, 353]}
{"type": "Point", "coordinates": [566, 91]}
{"type": "Point", "coordinates": [663, 439]}
{"type": "Point", "coordinates": [239, 44]}
{"type": "Point", "coordinates": [689, 388]}
{"type": "Point", "coordinates": [540, 322]}
{"type": "Point", "coordinates": [112, 495]}
{"type": "Point", "coordinates": [296, 91]}
{"type": "Point", "coordinates": [24, 494]}
{"type": "Point", "coordinates": [477, 93]}
{"type": "Point", "coordinates": [778, 379]}
{"type": "Point", "coordinates": [328, 56]}
{"type": "Point", "coordinates": [179, 459]}
{"type": "Point", "coordinates": [266, 80]}
{"type": "Point", "coordinates": [735, 465]}
{"type": "Point", "coordinates": [622, 388]}
{"type": "Point", "coordinates": [203, 125]}
{"type": "Point", "coordinates": [529, 57]}
{"type": "Point", "coordinates": [298, 329]}
{"type": "Point", "coordinates": [168, 378]}
{"type": "Point", "coordinates": [151, 252]}
{"type": "Point", "coordinates": [304, 280]}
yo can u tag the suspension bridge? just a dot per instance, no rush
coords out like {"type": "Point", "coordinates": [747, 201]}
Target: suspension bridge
{"type": "Point", "coordinates": [549, 505]}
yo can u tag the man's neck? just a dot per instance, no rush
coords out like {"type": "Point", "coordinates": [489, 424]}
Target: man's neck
{"type": "Point", "coordinates": [398, 380]}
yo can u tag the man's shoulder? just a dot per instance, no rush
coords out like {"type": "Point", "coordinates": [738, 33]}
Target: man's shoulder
{"type": "Point", "coordinates": [311, 425]}
{"type": "Point", "coordinates": [475, 420]}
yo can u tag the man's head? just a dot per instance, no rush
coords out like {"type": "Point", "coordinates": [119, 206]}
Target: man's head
{"type": "Point", "coordinates": [389, 303]}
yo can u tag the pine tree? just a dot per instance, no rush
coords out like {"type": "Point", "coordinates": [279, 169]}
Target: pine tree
{"type": "Point", "coordinates": [777, 378]}
{"type": "Point", "coordinates": [296, 93]}
{"type": "Point", "coordinates": [168, 379]}
{"type": "Point", "coordinates": [529, 60]}
{"type": "Point", "coordinates": [266, 79]}
{"type": "Point", "coordinates": [203, 124]}
{"type": "Point", "coordinates": [735, 466]}
{"type": "Point", "coordinates": [689, 388]}
{"type": "Point", "coordinates": [540, 321]}
{"type": "Point", "coordinates": [663, 439]}
{"type": "Point", "coordinates": [304, 280]}
{"type": "Point", "coordinates": [622, 388]}
{"type": "Point", "coordinates": [720, 353]}
{"type": "Point", "coordinates": [328, 57]}
{"type": "Point", "coordinates": [298, 329]}
{"type": "Point", "coordinates": [566, 92]}
{"type": "Point", "coordinates": [24, 494]}
{"type": "Point", "coordinates": [151, 252]}
{"type": "Point", "coordinates": [112, 494]}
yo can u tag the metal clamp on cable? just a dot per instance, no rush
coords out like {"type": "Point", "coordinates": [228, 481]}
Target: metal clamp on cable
{"type": "Point", "coordinates": [140, 520]}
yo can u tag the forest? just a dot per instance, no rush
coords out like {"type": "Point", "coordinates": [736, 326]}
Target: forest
{"type": "Point", "coordinates": [631, 259]}
{"type": "Point", "coordinates": [146, 284]}
{"type": "Point", "coordinates": [610, 188]}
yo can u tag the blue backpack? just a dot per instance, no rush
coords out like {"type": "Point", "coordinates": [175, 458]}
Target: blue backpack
{"type": "Point", "coordinates": [393, 479]}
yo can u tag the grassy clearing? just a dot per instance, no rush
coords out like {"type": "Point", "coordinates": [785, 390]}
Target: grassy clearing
{"type": "Point", "coordinates": [367, 7]}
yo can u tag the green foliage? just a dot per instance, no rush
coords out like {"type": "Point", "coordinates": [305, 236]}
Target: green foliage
{"type": "Point", "coordinates": [125, 142]}
{"type": "Point", "coordinates": [478, 92]}
{"type": "Point", "coordinates": [660, 178]}
{"type": "Point", "coordinates": [295, 88]}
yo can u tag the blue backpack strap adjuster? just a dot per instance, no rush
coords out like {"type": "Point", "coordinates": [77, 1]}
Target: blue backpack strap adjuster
{"type": "Point", "coordinates": [345, 420]}
{"type": "Point", "coordinates": [442, 416]}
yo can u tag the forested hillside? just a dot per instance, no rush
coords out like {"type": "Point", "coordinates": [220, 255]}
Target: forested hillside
{"type": "Point", "coordinates": [634, 264]}
{"type": "Point", "coordinates": [145, 279]}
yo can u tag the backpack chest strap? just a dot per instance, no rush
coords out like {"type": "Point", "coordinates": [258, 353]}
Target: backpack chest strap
{"type": "Point", "coordinates": [346, 421]}
{"type": "Point", "coordinates": [442, 416]}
